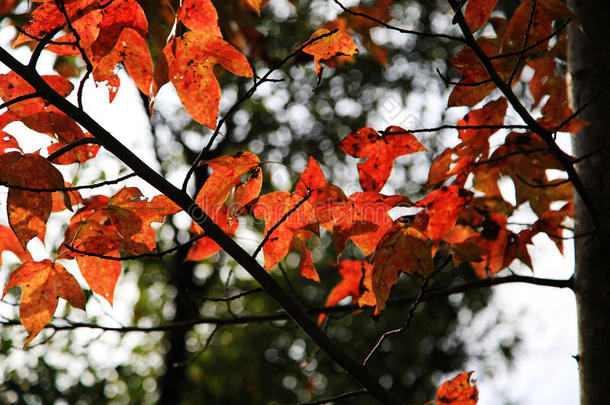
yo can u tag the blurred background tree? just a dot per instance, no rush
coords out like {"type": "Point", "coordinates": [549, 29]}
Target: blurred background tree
{"type": "Point", "coordinates": [393, 81]}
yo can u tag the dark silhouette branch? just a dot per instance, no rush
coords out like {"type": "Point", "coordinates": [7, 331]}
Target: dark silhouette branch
{"type": "Point", "coordinates": [474, 84]}
{"type": "Point", "coordinates": [135, 257]}
{"type": "Point", "coordinates": [18, 99]}
{"type": "Point", "coordinates": [68, 147]}
{"type": "Point", "coordinates": [394, 28]}
{"type": "Point", "coordinates": [282, 315]}
{"type": "Point", "coordinates": [81, 50]}
{"type": "Point", "coordinates": [541, 185]}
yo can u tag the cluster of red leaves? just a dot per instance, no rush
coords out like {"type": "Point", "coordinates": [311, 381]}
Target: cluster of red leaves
{"type": "Point", "coordinates": [104, 35]}
{"type": "Point", "coordinates": [471, 223]}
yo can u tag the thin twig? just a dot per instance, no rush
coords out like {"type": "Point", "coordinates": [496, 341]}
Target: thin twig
{"type": "Point", "coordinates": [525, 41]}
{"type": "Point", "coordinates": [191, 359]}
{"type": "Point", "coordinates": [542, 185]}
{"type": "Point", "coordinates": [282, 315]}
{"type": "Point", "coordinates": [88, 140]}
{"type": "Point", "coordinates": [135, 257]}
{"type": "Point", "coordinates": [338, 397]}
{"type": "Point", "coordinates": [394, 28]}
{"type": "Point", "coordinates": [533, 45]}
{"type": "Point", "coordinates": [278, 223]}
{"type": "Point", "coordinates": [75, 188]}
{"type": "Point", "coordinates": [77, 44]}
{"type": "Point", "coordinates": [224, 299]}
{"type": "Point", "coordinates": [18, 99]}
{"type": "Point", "coordinates": [474, 84]}
{"type": "Point", "coordinates": [404, 327]}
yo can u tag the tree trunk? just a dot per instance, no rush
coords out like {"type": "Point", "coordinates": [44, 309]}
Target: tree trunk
{"type": "Point", "coordinates": [589, 69]}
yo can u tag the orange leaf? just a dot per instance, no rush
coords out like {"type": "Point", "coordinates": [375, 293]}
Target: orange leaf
{"type": "Point", "coordinates": [8, 241]}
{"type": "Point", "coordinates": [306, 265]}
{"type": "Point", "coordinates": [132, 51]}
{"type": "Point", "coordinates": [322, 192]}
{"type": "Point", "coordinates": [381, 150]}
{"type": "Point", "coordinates": [404, 249]}
{"type": "Point", "coordinates": [42, 283]}
{"type": "Point", "coordinates": [476, 141]}
{"type": "Point", "coordinates": [200, 15]}
{"type": "Point", "coordinates": [256, 5]}
{"type": "Point", "coordinates": [337, 43]}
{"type": "Point", "coordinates": [132, 216]}
{"type": "Point", "coordinates": [28, 211]}
{"type": "Point", "coordinates": [444, 206]}
{"type": "Point", "coordinates": [271, 208]}
{"type": "Point", "coordinates": [363, 219]}
{"type": "Point", "coordinates": [190, 59]}
{"type": "Point", "coordinates": [101, 274]}
{"type": "Point", "coordinates": [458, 391]}
{"type": "Point", "coordinates": [351, 272]}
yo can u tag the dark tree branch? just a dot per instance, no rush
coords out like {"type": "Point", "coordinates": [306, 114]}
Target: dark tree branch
{"type": "Point", "coordinates": [506, 156]}
{"type": "Point", "coordinates": [525, 41]}
{"type": "Point", "coordinates": [278, 223]}
{"type": "Point", "coordinates": [533, 45]}
{"type": "Point", "coordinates": [282, 315]}
{"type": "Point", "coordinates": [458, 127]}
{"type": "Point", "coordinates": [404, 327]}
{"type": "Point", "coordinates": [475, 84]}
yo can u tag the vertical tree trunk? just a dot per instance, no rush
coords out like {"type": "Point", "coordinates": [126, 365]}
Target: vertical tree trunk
{"type": "Point", "coordinates": [589, 69]}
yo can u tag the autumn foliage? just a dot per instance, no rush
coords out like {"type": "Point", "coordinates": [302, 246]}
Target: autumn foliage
{"type": "Point", "coordinates": [463, 217]}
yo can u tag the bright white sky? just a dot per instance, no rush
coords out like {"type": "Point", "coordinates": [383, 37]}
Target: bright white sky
{"type": "Point", "coordinates": [544, 371]}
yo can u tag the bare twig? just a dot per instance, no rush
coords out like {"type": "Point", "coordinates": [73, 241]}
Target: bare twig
{"type": "Point", "coordinates": [68, 147]}
{"type": "Point", "coordinates": [394, 28]}
{"type": "Point", "coordinates": [18, 99]}
{"type": "Point", "coordinates": [75, 188]}
{"type": "Point", "coordinates": [77, 44]}
{"type": "Point", "coordinates": [338, 397]}
{"type": "Point", "coordinates": [135, 257]}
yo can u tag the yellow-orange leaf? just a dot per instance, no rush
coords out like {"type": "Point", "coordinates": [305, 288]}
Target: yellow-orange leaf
{"type": "Point", "coordinates": [190, 59]}
{"type": "Point", "coordinates": [200, 15]}
{"type": "Point", "coordinates": [337, 43]}
{"type": "Point", "coordinates": [42, 284]}
{"type": "Point", "coordinates": [271, 208]}
{"type": "Point", "coordinates": [8, 241]}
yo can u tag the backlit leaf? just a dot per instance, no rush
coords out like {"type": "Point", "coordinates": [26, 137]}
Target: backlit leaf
{"type": "Point", "coordinates": [381, 150]}
{"type": "Point", "coordinates": [191, 58]}
{"type": "Point", "coordinates": [323, 49]}
{"type": "Point", "coordinates": [42, 284]}
{"type": "Point", "coordinates": [404, 249]}
{"type": "Point", "coordinates": [28, 211]}
{"type": "Point", "coordinates": [458, 391]}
